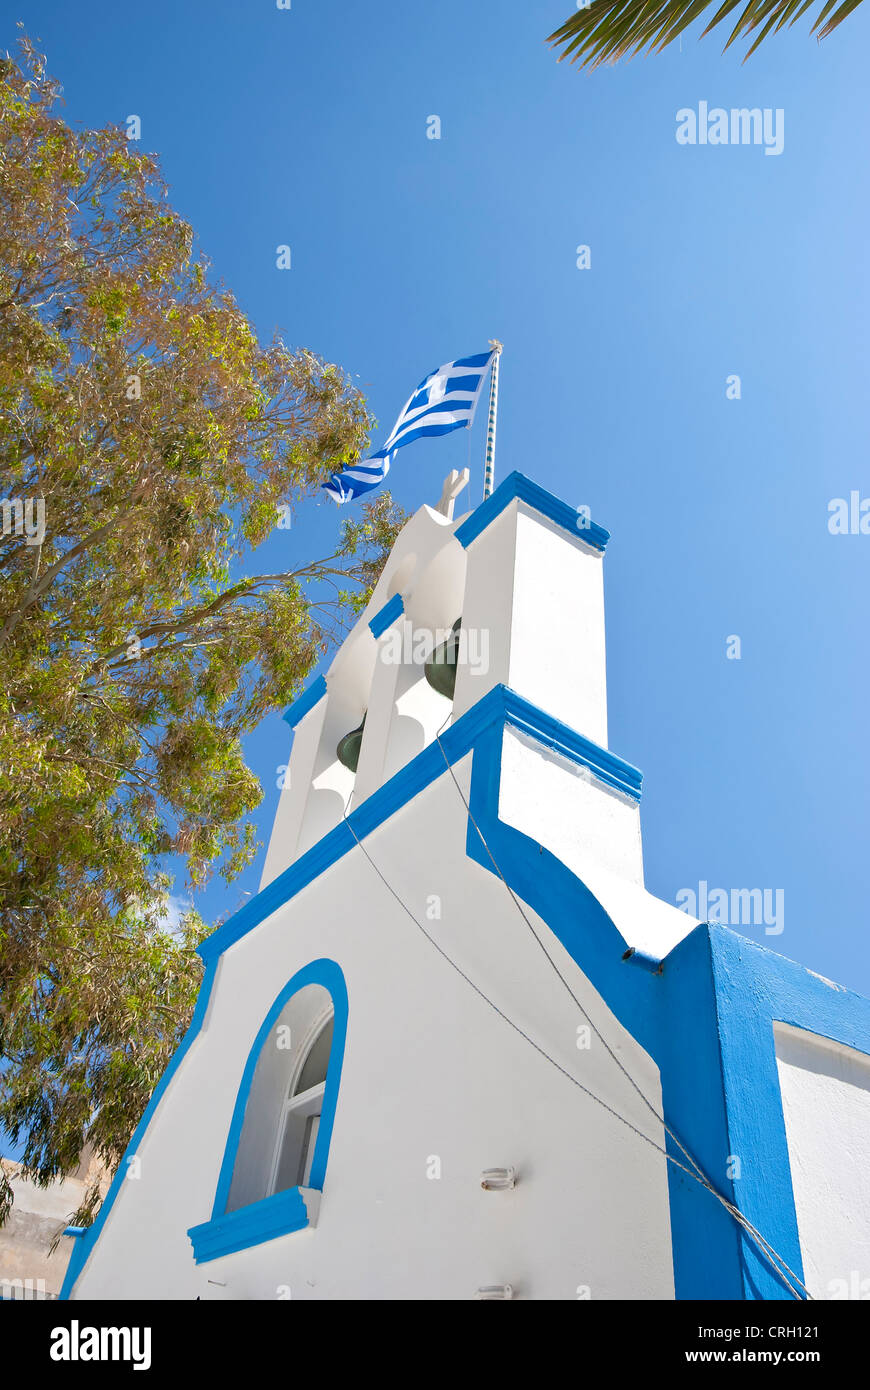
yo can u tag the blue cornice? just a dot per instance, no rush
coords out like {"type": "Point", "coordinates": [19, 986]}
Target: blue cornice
{"type": "Point", "coordinates": [542, 727]}
{"type": "Point", "coordinates": [307, 700]}
{"type": "Point", "coordinates": [251, 1225]}
{"type": "Point", "coordinates": [517, 485]}
{"type": "Point", "coordinates": [392, 609]}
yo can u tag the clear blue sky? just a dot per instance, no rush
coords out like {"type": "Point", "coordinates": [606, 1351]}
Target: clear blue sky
{"type": "Point", "coordinates": [308, 127]}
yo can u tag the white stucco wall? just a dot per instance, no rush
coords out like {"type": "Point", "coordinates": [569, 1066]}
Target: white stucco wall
{"type": "Point", "coordinates": [429, 1070]}
{"type": "Point", "coordinates": [540, 593]}
{"type": "Point", "coordinates": [595, 830]}
{"type": "Point", "coordinates": [826, 1104]}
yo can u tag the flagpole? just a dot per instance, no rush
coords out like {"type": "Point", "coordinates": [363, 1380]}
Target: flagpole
{"type": "Point", "coordinates": [493, 413]}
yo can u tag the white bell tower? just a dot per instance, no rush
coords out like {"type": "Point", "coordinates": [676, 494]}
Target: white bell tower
{"type": "Point", "coordinates": [524, 573]}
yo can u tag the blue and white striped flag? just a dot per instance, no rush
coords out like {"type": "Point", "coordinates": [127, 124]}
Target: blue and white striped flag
{"type": "Point", "coordinates": [445, 400]}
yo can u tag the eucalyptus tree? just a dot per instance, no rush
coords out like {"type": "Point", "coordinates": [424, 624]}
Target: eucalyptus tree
{"type": "Point", "coordinates": [148, 444]}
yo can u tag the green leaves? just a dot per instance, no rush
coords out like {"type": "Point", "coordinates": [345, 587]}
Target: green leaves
{"type": "Point", "coordinates": [611, 29]}
{"type": "Point", "coordinates": [164, 440]}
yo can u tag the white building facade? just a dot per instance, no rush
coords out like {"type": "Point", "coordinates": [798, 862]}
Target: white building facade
{"type": "Point", "coordinates": [454, 1048]}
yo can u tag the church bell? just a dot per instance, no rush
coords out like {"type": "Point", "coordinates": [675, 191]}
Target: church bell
{"type": "Point", "coordinates": [348, 748]}
{"type": "Point", "coordinates": [440, 669]}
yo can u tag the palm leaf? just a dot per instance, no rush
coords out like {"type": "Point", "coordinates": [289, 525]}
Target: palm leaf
{"type": "Point", "coordinates": [612, 29]}
{"type": "Point", "coordinates": [846, 8]}
{"type": "Point", "coordinates": [824, 12]}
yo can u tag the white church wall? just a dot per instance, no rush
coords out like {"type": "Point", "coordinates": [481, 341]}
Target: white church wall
{"type": "Point", "coordinates": [299, 773]}
{"type": "Point", "coordinates": [332, 783]}
{"type": "Point", "coordinates": [826, 1106]}
{"type": "Point", "coordinates": [404, 711]}
{"type": "Point", "coordinates": [431, 1076]}
{"type": "Point", "coordinates": [595, 830]}
{"type": "Point", "coordinates": [559, 803]}
{"type": "Point", "coordinates": [540, 594]}
{"type": "Point", "coordinates": [379, 719]}
{"type": "Point", "coordinates": [435, 596]}
{"type": "Point", "coordinates": [418, 714]}
{"type": "Point", "coordinates": [487, 605]}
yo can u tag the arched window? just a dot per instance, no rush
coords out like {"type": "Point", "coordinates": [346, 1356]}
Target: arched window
{"type": "Point", "coordinates": [281, 1129]}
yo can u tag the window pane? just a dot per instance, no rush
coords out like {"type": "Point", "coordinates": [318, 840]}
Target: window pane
{"type": "Point", "coordinates": [314, 1069]}
{"type": "Point", "coordinates": [292, 1150]}
{"type": "Point", "coordinates": [308, 1150]}
{"type": "Point", "coordinates": [299, 1136]}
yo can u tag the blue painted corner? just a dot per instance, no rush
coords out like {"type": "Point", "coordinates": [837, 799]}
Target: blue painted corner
{"type": "Point", "coordinates": [756, 988]}
{"type": "Point", "coordinates": [518, 486]}
{"type": "Point", "coordinates": [386, 616]}
{"type": "Point", "coordinates": [307, 700]}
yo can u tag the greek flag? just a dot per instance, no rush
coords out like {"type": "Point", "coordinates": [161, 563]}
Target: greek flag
{"type": "Point", "coordinates": [445, 400]}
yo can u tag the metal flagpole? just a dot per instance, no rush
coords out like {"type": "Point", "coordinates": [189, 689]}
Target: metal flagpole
{"type": "Point", "coordinates": [493, 412]}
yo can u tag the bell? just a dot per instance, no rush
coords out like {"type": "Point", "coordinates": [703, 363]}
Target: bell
{"type": "Point", "coordinates": [440, 669]}
{"type": "Point", "coordinates": [348, 748]}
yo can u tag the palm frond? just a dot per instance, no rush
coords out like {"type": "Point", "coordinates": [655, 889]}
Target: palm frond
{"type": "Point", "coordinates": [612, 29]}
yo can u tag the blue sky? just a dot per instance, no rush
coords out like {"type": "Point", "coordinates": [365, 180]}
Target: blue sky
{"type": "Point", "coordinates": [308, 127]}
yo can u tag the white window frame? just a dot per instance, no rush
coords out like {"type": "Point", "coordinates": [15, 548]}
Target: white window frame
{"type": "Point", "coordinates": [308, 1102]}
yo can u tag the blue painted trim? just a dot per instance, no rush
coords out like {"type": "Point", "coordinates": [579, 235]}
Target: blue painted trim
{"type": "Point", "coordinates": [274, 1216]}
{"type": "Point", "coordinates": [517, 485]}
{"type": "Point", "coordinates": [319, 972]}
{"type": "Point", "coordinates": [386, 616]}
{"type": "Point", "coordinates": [704, 1238]}
{"type": "Point", "coordinates": [539, 725]}
{"type": "Point", "coordinates": [307, 700]}
{"type": "Point", "coordinates": [75, 1230]}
